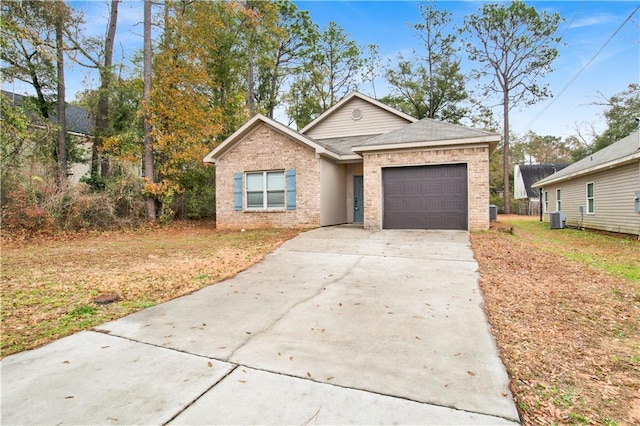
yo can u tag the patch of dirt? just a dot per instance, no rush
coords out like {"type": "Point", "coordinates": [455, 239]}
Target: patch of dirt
{"type": "Point", "coordinates": [568, 333]}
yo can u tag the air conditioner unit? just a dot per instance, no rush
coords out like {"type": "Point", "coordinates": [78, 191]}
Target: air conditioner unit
{"type": "Point", "coordinates": [557, 220]}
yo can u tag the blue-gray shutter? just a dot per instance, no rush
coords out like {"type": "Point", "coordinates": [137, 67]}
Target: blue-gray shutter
{"type": "Point", "coordinates": [291, 189]}
{"type": "Point", "coordinates": [237, 191]}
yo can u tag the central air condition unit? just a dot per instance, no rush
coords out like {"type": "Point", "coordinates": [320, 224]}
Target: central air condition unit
{"type": "Point", "coordinates": [557, 220]}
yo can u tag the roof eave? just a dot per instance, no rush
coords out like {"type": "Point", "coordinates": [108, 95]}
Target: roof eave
{"type": "Point", "coordinates": [491, 140]}
{"type": "Point", "coordinates": [590, 170]}
{"type": "Point", "coordinates": [250, 125]}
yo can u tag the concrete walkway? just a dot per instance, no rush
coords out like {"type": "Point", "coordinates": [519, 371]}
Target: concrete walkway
{"type": "Point", "coordinates": [338, 326]}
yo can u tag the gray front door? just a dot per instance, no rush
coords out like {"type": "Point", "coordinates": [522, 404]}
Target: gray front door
{"type": "Point", "coordinates": [358, 200]}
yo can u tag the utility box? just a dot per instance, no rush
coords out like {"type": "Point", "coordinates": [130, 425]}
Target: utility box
{"type": "Point", "coordinates": [493, 213]}
{"type": "Point", "coordinates": [557, 220]}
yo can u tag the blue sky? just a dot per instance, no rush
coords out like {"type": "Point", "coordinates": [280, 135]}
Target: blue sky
{"type": "Point", "coordinates": [588, 26]}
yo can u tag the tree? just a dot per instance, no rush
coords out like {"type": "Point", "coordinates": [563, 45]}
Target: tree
{"type": "Point", "coordinates": [281, 53]}
{"type": "Point", "coordinates": [441, 80]}
{"type": "Point", "coordinates": [623, 110]}
{"type": "Point", "coordinates": [34, 47]}
{"type": "Point", "coordinates": [537, 149]}
{"type": "Point", "coordinates": [28, 34]}
{"type": "Point", "coordinates": [515, 46]}
{"type": "Point", "coordinates": [61, 12]}
{"type": "Point", "coordinates": [99, 54]}
{"type": "Point", "coordinates": [150, 201]}
{"type": "Point", "coordinates": [331, 67]}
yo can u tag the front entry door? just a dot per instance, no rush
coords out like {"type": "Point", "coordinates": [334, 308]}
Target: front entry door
{"type": "Point", "coordinates": [358, 200]}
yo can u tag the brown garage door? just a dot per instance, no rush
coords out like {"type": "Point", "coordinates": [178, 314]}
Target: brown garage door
{"type": "Point", "coordinates": [425, 197]}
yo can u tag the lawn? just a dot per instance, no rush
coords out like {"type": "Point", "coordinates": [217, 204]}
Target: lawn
{"type": "Point", "coordinates": [564, 306]}
{"type": "Point", "coordinates": [49, 284]}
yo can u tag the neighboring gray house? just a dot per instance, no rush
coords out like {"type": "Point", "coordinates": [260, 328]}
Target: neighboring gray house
{"type": "Point", "coordinates": [601, 191]}
{"type": "Point", "coordinates": [361, 161]}
{"type": "Point", "coordinates": [80, 125]}
{"type": "Point", "coordinates": [525, 175]}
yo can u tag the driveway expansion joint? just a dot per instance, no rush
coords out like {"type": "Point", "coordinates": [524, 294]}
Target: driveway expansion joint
{"type": "Point", "coordinates": [336, 385]}
{"type": "Point", "coordinates": [186, 407]}
{"type": "Point", "coordinates": [169, 348]}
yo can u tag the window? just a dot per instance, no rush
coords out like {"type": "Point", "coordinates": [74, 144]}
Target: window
{"type": "Point", "coordinates": [558, 200]}
{"type": "Point", "coordinates": [265, 190]}
{"type": "Point", "coordinates": [546, 201]}
{"type": "Point", "coordinates": [591, 198]}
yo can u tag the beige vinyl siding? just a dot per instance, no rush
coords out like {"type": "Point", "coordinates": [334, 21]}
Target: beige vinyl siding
{"type": "Point", "coordinates": [614, 204]}
{"type": "Point", "coordinates": [333, 198]}
{"type": "Point", "coordinates": [374, 121]}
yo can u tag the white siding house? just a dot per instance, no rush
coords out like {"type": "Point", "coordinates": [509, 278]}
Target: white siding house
{"type": "Point", "coordinates": [601, 191]}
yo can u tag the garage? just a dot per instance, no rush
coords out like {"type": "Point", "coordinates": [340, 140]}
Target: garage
{"type": "Point", "coordinates": [425, 197]}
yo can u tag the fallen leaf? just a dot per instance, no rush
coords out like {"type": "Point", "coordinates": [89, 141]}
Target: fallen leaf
{"type": "Point", "coordinates": [308, 374]}
{"type": "Point", "coordinates": [210, 364]}
{"type": "Point", "coordinates": [471, 373]}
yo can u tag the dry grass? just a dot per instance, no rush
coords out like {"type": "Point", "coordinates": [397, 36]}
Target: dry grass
{"type": "Point", "coordinates": [49, 284]}
{"type": "Point", "coordinates": [564, 306]}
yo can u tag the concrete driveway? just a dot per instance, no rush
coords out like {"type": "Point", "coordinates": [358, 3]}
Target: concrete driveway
{"type": "Point", "coordinates": [338, 326]}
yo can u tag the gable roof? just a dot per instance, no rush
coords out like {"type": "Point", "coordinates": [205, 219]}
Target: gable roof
{"type": "Point", "coordinates": [428, 132]}
{"type": "Point", "coordinates": [79, 120]}
{"type": "Point", "coordinates": [624, 151]}
{"type": "Point", "coordinates": [348, 98]}
{"type": "Point", "coordinates": [532, 173]}
{"type": "Point", "coordinates": [251, 125]}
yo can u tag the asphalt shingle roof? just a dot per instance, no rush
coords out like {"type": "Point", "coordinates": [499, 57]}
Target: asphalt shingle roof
{"type": "Point", "coordinates": [426, 130]}
{"type": "Point", "coordinates": [532, 173]}
{"type": "Point", "coordinates": [616, 151]}
{"type": "Point", "coordinates": [79, 120]}
{"type": "Point", "coordinates": [343, 145]}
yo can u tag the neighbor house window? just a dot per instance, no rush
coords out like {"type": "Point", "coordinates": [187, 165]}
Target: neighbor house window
{"type": "Point", "coordinates": [546, 201]}
{"type": "Point", "coordinates": [265, 190]}
{"type": "Point", "coordinates": [591, 198]}
{"type": "Point", "coordinates": [558, 200]}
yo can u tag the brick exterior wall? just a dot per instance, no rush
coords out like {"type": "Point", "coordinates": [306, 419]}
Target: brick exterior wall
{"type": "Point", "coordinates": [262, 150]}
{"type": "Point", "coordinates": [476, 158]}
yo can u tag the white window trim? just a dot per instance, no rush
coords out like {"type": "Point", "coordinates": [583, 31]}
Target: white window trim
{"type": "Point", "coordinates": [559, 199]}
{"type": "Point", "coordinates": [265, 191]}
{"type": "Point", "coordinates": [592, 198]}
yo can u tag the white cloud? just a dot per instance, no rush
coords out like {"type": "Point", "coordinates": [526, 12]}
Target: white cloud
{"type": "Point", "coordinates": [592, 21]}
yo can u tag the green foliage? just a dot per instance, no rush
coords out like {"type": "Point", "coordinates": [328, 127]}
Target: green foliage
{"type": "Point", "coordinates": [280, 50]}
{"type": "Point", "coordinates": [198, 199]}
{"type": "Point", "coordinates": [537, 149]}
{"type": "Point", "coordinates": [435, 87]}
{"type": "Point", "coordinates": [514, 44]}
{"type": "Point", "coordinates": [27, 33]}
{"type": "Point", "coordinates": [14, 137]}
{"type": "Point", "coordinates": [331, 66]}
{"type": "Point", "coordinates": [624, 108]}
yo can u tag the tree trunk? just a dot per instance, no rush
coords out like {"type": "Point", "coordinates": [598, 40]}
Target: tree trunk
{"type": "Point", "coordinates": [62, 121]}
{"type": "Point", "coordinates": [148, 142]}
{"type": "Point", "coordinates": [505, 154]}
{"type": "Point", "coordinates": [99, 164]}
{"type": "Point", "coordinates": [251, 83]}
